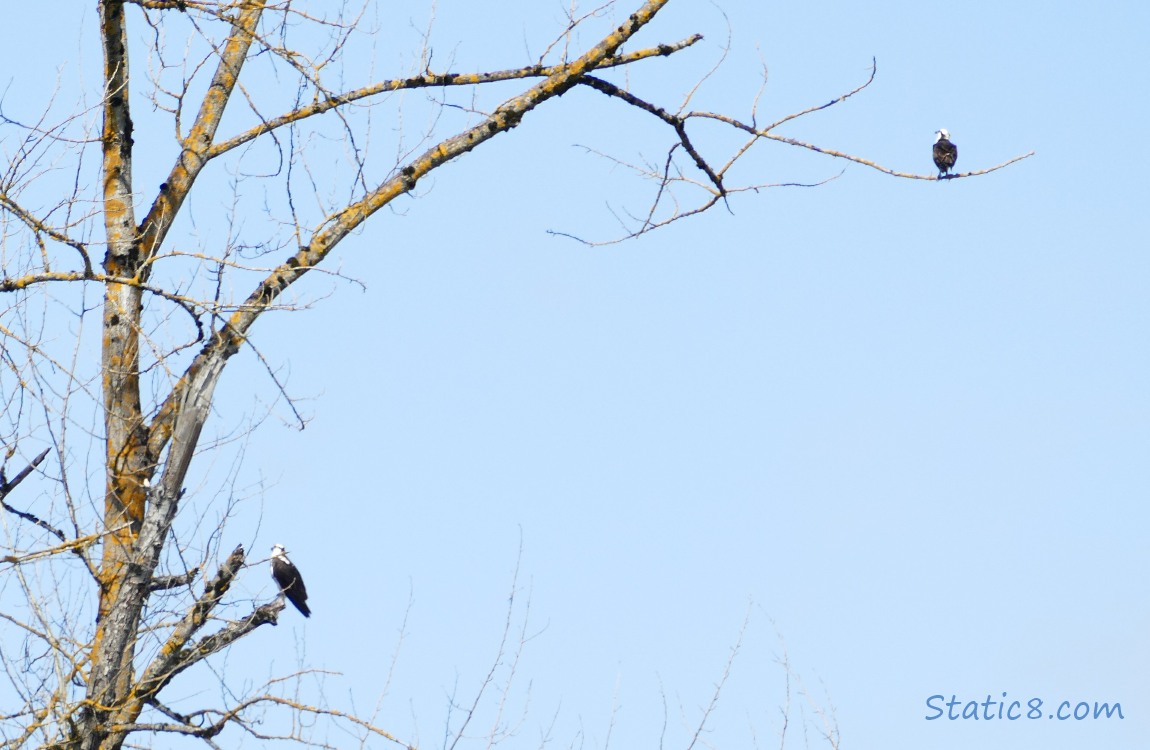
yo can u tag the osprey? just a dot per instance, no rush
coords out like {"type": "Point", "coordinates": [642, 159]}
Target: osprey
{"type": "Point", "coordinates": [945, 152]}
{"type": "Point", "coordinates": [289, 580]}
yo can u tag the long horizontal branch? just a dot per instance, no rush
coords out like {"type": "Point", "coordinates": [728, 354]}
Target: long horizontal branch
{"type": "Point", "coordinates": [180, 5]}
{"type": "Point", "coordinates": [765, 133]}
{"type": "Point", "coordinates": [194, 724]}
{"type": "Point", "coordinates": [887, 170]}
{"type": "Point", "coordinates": [428, 80]}
{"type": "Point", "coordinates": [76, 545]}
{"type": "Point", "coordinates": [15, 283]}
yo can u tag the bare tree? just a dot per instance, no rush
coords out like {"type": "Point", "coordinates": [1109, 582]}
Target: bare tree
{"type": "Point", "coordinates": [170, 320]}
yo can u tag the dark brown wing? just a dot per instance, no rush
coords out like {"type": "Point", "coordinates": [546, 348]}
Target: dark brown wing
{"type": "Point", "coordinates": [291, 584]}
{"type": "Point", "coordinates": [945, 154]}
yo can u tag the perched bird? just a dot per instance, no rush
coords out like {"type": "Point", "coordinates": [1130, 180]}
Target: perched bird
{"type": "Point", "coordinates": [287, 577]}
{"type": "Point", "coordinates": [945, 152]}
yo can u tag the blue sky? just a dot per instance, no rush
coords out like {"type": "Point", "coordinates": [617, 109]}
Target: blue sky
{"type": "Point", "coordinates": [901, 426]}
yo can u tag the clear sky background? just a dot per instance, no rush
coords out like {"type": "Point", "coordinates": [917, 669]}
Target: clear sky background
{"type": "Point", "coordinates": [902, 426]}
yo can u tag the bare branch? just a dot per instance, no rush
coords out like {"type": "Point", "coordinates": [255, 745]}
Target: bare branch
{"type": "Point", "coordinates": [764, 133]}
{"type": "Point", "coordinates": [429, 80]}
{"type": "Point", "coordinates": [204, 370]}
{"type": "Point", "coordinates": [164, 583]}
{"type": "Point", "coordinates": [7, 486]}
{"type": "Point", "coordinates": [180, 5]}
{"type": "Point", "coordinates": [720, 684]}
{"type": "Point", "coordinates": [173, 658]}
{"type": "Point", "coordinates": [715, 188]}
{"type": "Point", "coordinates": [234, 715]}
{"type": "Point", "coordinates": [831, 103]}
{"type": "Point", "coordinates": [39, 227]}
{"type": "Point", "coordinates": [676, 122]}
{"type": "Point", "coordinates": [194, 154]}
{"type": "Point", "coordinates": [75, 545]}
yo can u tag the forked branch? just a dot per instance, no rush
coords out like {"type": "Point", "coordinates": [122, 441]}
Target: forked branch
{"type": "Point", "coordinates": [174, 656]}
{"type": "Point", "coordinates": [712, 180]}
{"type": "Point", "coordinates": [208, 364]}
{"type": "Point", "coordinates": [435, 80]}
